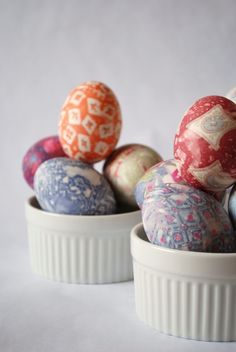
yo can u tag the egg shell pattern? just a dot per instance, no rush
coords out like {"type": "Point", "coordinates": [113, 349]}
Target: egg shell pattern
{"type": "Point", "coordinates": [185, 218]}
{"type": "Point", "coordinates": [46, 148]}
{"type": "Point", "coordinates": [90, 122]}
{"type": "Point", "coordinates": [205, 144]}
{"type": "Point", "coordinates": [158, 175]}
{"type": "Point", "coordinates": [124, 168]}
{"type": "Point", "coordinates": [69, 186]}
{"type": "Point", "coordinates": [232, 206]}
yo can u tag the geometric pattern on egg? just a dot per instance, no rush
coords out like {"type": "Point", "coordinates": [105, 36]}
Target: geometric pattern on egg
{"type": "Point", "coordinates": [205, 144]}
{"type": "Point", "coordinates": [90, 122]}
{"type": "Point", "coordinates": [183, 217]}
{"type": "Point", "coordinates": [67, 186]}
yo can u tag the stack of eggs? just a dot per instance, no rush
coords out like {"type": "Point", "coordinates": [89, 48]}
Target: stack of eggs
{"type": "Point", "coordinates": [181, 199]}
{"type": "Point", "coordinates": [60, 168]}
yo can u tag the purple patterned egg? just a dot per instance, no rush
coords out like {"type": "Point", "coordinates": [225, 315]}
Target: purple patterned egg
{"type": "Point", "coordinates": [182, 217]}
{"type": "Point", "coordinates": [41, 151]}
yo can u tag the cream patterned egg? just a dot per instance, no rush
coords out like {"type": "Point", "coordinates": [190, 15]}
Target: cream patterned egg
{"type": "Point", "coordinates": [183, 217]}
{"type": "Point", "coordinates": [90, 122]}
{"type": "Point", "coordinates": [67, 186]}
{"type": "Point", "coordinates": [124, 168]}
{"type": "Point", "coordinates": [205, 144]}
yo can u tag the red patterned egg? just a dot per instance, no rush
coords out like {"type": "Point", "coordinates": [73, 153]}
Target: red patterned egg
{"type": "Point", "coordinates": [45, 149]}
{"type": "Point", "coordinates": [205, 144]}
{"type": "Point", "coordinates": [90, 122]}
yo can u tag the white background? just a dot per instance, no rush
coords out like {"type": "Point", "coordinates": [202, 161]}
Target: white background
{"type": "Point", "coordinates": [159, 57]}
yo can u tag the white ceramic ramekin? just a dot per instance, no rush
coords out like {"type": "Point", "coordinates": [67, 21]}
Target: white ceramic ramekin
{"type": "Point", "coordinates": [185, 294]}
{"type": "Point", "coordinates": [80, 249]}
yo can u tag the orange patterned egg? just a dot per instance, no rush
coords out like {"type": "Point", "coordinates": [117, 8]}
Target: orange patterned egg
{"type": "Point", "coordinates": [90, 122]}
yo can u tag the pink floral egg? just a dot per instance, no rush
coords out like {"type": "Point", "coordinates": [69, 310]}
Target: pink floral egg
{"type": "Point", "coordinates": [183, 217]}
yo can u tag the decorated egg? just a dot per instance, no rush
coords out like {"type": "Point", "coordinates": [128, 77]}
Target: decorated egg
{"type": "Point", "coordinates": [232, 94]}
{"type": "Point", "coordinates": [124, 168]}
{"type": "Point", "coordinates": [205, 144]}
{"type": "Point", "coordinates": [183, 217]}
{"type": "Point", "coordinates": [67, 186]}
{"type": "Point", "coordinates": [158, 175]}
{"type": "Point", "coordinates": [41, 151]}
{"type": "Point", "coordinates": [90, 122]}
{"type": "Point", "coordinates": [232, 206]}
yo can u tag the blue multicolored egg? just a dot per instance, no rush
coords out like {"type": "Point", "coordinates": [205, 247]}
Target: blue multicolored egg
{"type": "Point", "coordinates": [69, 186]}
{"type": "Point", "coordinates": [46, 148]}
{"type": "Point", "coordinates": [232, 206]}
{"type": "Point", "coordinates": [158, 175]}
{"type": "Point", "coordinates": [182, 217]}
{"type": "Point", "coordinates": [232, 94]}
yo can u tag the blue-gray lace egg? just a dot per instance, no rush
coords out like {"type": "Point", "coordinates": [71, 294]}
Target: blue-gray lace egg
{"type": "Point", "coordinates": [69, 186]}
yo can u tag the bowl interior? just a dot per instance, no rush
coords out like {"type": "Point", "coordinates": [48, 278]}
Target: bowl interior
{"type": "Point", "coordinates": [122, 209]}
{"type": "Point", "coordinates": [92, 223]}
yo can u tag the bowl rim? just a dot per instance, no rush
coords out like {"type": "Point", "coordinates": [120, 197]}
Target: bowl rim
{"type": "Point", "coordinates": [75, 223]}
{"type": "Point", "coordinates": [181, 262]}
{"type": "Point", "coordinates": [136, 233]}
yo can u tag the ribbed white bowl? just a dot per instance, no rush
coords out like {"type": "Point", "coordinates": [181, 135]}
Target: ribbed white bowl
{"type": "Point", "coordinates": [80, 249]}
{"type": "Point", "coordinates": [186, 294]}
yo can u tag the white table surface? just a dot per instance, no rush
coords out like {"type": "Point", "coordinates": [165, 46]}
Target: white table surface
{"type": "Point", "coordinates": [159, 57]}
{"type": "Point", "coordinates": [37, 315]}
